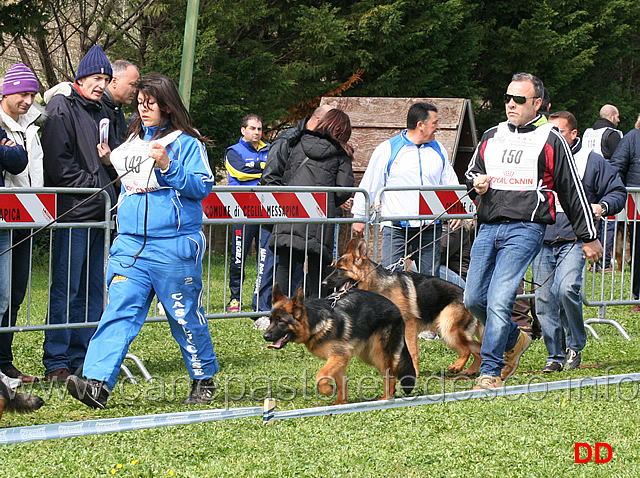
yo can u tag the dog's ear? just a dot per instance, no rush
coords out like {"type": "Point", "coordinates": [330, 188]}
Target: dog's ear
{"type": "Point", "coordinates": [276, 294]}
{"type": "Point", "coordinates": [299, 298]}
{"type": "Point", "coordinates": [360, 251]}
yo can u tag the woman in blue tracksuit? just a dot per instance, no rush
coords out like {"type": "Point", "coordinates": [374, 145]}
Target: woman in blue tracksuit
{"type": "Point", "coordinates": [165, 175]}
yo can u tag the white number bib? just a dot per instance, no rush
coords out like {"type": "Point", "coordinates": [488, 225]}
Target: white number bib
{"type": "Point", "coordinates": [580, 159]}
{"type": "Point", "coordinates": [511, 159]}
{"type": "Point", "coordinates": [132, 162]}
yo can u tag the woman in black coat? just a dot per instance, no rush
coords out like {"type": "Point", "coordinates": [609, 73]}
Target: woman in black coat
{"type": "Point", "coordinates": [321, 158]}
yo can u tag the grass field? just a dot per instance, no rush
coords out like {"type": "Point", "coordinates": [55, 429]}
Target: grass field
{"type": "Point", "coordinates": [514, 436]}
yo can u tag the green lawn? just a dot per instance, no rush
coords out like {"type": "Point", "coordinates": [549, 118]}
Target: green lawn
{"type": "Point", "coordinates": [526, 436]}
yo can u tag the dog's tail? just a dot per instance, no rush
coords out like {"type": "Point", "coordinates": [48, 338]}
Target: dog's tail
{"type": "Point", "coordinates": [405, 371]}
{"type": "Point", "coordinates": [12, 401]}
{"type": "Point", "coordinates": [479, 330]}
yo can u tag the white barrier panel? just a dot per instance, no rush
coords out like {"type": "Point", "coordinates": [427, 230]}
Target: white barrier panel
{"type": "Point", "coordinates": [264, 205]}
{"type": "Point", "coordinates": [28, 207]}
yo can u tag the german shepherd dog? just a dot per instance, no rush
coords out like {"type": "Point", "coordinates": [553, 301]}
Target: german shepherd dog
{"type": "Point", "coordinates": [426, 303]}
{"type": "Point", "coordinates": [358, 323]}
{"type": "Point", "coordinates": [13, 401]}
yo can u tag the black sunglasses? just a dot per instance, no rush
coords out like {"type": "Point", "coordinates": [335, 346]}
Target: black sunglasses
{"type": "Point", "coordinates": [517, 98]}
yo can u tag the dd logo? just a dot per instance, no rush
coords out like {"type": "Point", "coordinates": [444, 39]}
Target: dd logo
{"type": "Point", "coordinates": [598, 457]}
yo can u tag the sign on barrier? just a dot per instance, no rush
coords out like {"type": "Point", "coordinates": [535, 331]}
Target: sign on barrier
{"type": "Point", "coordinates": [632, 212]}
{"type": "Point", "coordinates": [437, 202]}
{"type": "Point", "coordinates": [28, 207]}
{"type": "Point", "coordinates": [250, 205]}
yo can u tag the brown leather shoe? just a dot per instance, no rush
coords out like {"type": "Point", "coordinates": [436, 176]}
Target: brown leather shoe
{"type": "Point", "coordinates": [11, 371]}
{"type": "Point", "coordinates": [62, 374]}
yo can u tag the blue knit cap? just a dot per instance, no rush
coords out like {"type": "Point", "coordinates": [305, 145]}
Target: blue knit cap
{"type": "Point", "coordinates": [94, 62]}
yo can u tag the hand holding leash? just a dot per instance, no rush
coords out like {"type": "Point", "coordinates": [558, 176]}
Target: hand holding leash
{"type": "Point", "coordinates": [159, 154]}
{"type": "Point", "coordinates": [481, 183]}
{"type": "Point", "coordinates": [592, 251]}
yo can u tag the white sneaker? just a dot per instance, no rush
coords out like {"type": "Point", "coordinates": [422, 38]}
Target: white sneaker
{"type": "Point", "coordinates": [10, 382]}
{"type": "Point", "coordinates": [262, 323]}
{"type": "Point", "coordinates": [428, 335]}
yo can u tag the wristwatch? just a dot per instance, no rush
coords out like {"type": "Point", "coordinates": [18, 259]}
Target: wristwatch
{"type": "Point", "coordinates": [605, 208]}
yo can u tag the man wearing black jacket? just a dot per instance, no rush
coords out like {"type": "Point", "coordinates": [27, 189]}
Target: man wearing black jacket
{"type": "Point", "coordinates": [603, 138]}
{"type": "Point", "coordinates": [512, 175]}
{"type": "Point", "coordinates": [70, 136]}
{"type": "Point", "coordinates": [559, 265]}
{"type": "Point", "coordinates": [120, 91]}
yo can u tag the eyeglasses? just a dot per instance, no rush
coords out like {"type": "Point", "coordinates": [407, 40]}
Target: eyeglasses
{"type": "Point", "coordinates": [517, 98]}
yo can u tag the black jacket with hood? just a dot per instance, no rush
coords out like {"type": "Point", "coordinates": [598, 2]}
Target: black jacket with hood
{"type": "Point", "coordinates": [69, 141]}
{"type": "Point", "coordinates": [316, 160]}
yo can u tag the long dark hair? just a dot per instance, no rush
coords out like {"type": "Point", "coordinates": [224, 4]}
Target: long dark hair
{"type": "Point", "coordinates": [337, 124]}
{"type": "Point", "coordinates": [174, 115]}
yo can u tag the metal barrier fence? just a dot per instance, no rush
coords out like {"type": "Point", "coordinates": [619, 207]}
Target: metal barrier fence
{"type": "Point", "coordinates": [27, 210]}
{"type": "Point", "coordinates": [272, 207]}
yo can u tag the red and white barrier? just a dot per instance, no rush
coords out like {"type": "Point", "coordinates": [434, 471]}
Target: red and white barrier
{"type": "Point", "coordinates": [250, 205]}
{"type": "Point", "coordinates": [437, 202]}
{"type": "Point", "coordinates": [28, 207]}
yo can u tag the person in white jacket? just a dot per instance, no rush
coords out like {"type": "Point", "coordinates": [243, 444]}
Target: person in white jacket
{"type": "Point", "coordinates": [18, 115]}
{"type": "Point", "coordinates": [411, 158]}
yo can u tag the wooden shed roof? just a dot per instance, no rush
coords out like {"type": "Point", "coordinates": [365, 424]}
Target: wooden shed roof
{"type": "Point", "coordinates": [375, 119]}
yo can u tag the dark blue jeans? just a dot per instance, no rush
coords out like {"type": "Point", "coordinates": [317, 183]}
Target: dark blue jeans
{"type": "Point", "coordinates": [76, 296]}
{"type": "Point", "coordinates": [558, 300]}
{"type": "Point", "coordinates": [500, 256]}
{"type": "Point", "coordinates": [398, 242]}
{"type": "Point", "coordinates": [241, 238]}
{"type": "Point", "coordinates": [20, 258]}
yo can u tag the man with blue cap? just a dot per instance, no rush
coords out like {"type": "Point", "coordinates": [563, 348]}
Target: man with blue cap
{"type": "Point", "coordinates": [70, 136]}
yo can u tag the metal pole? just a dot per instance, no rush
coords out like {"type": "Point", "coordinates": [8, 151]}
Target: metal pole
{"type": "Point", "coordinates": [188, 50]}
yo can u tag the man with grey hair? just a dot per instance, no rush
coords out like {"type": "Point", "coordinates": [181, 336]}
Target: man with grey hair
{"type": "Point", "coordinates": [512, 175]}
{"type": "Point", "coordinates": [120, 91]}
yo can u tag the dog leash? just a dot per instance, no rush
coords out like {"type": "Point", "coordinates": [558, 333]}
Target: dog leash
{"type": "Point", "coordinates": [403, 260]}
{"type": "Point", "coordinates": [337, 295]}
{"type": "Point", "coordinates": [84, 201]}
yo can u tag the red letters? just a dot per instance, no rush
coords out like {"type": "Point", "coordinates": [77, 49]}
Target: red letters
{"type": "Point", "coordinates": [577, 453]}
{"type": "Point", "coordinates": [598, 447]}
{"type": "Point", "coordinates": [609, 450]}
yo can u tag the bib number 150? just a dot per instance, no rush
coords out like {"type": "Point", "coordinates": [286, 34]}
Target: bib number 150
{"type": "Point", "coordinates": [512, 156]}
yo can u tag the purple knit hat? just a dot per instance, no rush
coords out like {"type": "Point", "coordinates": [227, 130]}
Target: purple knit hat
{"type": "Point", "coordinates": [19, 78]}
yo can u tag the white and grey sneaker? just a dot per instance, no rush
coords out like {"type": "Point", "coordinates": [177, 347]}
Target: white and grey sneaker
{"type": "Point", "coordinates": [572, 360]}
{"type": "Point", "coordinates": [10, 382]}
{"type": "Point", "coordinates": [428, 335]}
{"type": "Point", "coordinates": [262, 323]}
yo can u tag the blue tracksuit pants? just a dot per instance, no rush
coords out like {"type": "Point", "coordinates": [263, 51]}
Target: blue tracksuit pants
{"type": "Point", "coordinates": [172, 269]}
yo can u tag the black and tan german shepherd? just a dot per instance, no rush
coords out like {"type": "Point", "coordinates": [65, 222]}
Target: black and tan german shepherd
{"type": "Point", "coordinates": [426, 303]}
{"type": "Point", "coordinates": [358, 323]}
{"type": "Point", "coordinates": [12, 401]}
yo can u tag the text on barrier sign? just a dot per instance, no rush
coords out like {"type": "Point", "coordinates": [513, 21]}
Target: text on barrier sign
{"type": "Point", "coordinates": [28, 207]}
{"type": "Point", "coordinates": [250, 205]}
